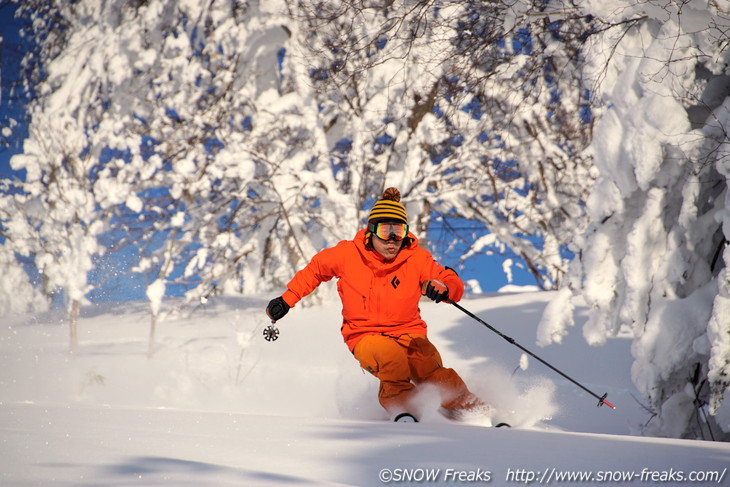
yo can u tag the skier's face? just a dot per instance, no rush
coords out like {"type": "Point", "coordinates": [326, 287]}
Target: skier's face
{"type": "Point", "coordinates": [387, 248]}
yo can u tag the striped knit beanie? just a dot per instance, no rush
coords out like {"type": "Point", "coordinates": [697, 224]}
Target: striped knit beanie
{"type": "Point", "coordinates": [388, 208]}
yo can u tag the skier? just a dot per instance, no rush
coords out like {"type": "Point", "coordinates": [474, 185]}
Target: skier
{"type": "Point", "coordinates": [382, 274]}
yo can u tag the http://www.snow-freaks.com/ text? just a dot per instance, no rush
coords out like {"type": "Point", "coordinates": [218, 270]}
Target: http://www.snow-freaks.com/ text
{"type": "Point", "coordinates": [547, 476]}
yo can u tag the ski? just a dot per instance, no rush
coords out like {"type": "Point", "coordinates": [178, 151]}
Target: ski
{"type": "Point", "coordinates": [405, 418]}
{"type": "Point", "coordinates": [473, 418]}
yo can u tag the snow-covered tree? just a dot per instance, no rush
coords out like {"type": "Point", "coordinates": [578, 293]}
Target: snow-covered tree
{"type": "Point", "coordinates": [58, 219]}
{"type": "Point", "coordinates": [209, 142]}
{"type": "Point", "coordinates": [469, 117]}
{"type": "Point", "coordinates": [188, 129]}
{"type": "Point", "coordinates": [654, 260]}
{"type": "Point", "coordinates": [17, 292]}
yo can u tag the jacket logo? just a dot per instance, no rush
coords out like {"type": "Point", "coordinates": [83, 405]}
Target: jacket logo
{"type": "Point", "coordinates": [395, 282]}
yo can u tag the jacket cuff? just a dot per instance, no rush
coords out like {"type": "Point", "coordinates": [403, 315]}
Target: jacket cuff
{"type": "Point", "coordinates": [455, 285]}
{"type": "Point", "coordinates": [290, 298]}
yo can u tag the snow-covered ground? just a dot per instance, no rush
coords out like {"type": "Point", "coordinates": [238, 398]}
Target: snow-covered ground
{"type": "Point", "coordinates": [218, 405]}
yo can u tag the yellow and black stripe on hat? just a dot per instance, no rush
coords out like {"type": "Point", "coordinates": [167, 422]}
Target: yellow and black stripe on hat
{"type": "Point", "coordinates": [389, 208]}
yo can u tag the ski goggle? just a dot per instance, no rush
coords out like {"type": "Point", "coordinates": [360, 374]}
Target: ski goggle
{"type": "Point", "coordinates": [389, 231]}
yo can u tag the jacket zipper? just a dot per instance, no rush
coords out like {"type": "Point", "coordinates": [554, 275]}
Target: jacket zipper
{"type": "Point", "coordinates": [364, 298]}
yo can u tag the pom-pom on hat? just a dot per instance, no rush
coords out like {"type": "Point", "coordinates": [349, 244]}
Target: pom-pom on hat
{"type": "Point", "coordinates": [388, 208]}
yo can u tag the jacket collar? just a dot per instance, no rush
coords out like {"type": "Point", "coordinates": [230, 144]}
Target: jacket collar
{"type": "Point", "coordinates": [375, 260]}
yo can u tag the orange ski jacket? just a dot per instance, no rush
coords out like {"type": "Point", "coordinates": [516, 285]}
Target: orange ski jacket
{"type": "Point", "coordinates": [378, 296]}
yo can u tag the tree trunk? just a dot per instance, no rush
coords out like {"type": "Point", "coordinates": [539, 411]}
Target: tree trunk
{"type": "Point", "coordinates": [74, 326]}
{"type": "Point", "coordinates": [153, 327]}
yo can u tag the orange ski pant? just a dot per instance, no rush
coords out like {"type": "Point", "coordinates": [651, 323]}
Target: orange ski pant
{"type": "Point", "coordinates": [402, 364]}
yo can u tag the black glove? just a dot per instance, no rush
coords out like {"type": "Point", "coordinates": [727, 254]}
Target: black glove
{"type": "Point", "coordinates": [277, 309]}
{"type": "Point", "coordinates": [435, 290]}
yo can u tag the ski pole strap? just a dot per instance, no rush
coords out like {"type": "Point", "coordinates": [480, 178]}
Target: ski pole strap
{"type": "Point", "coordinates": [601, 399]}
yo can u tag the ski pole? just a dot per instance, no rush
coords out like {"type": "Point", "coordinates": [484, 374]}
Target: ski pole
{"type": "Point", "coordinates": [601, 399]}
